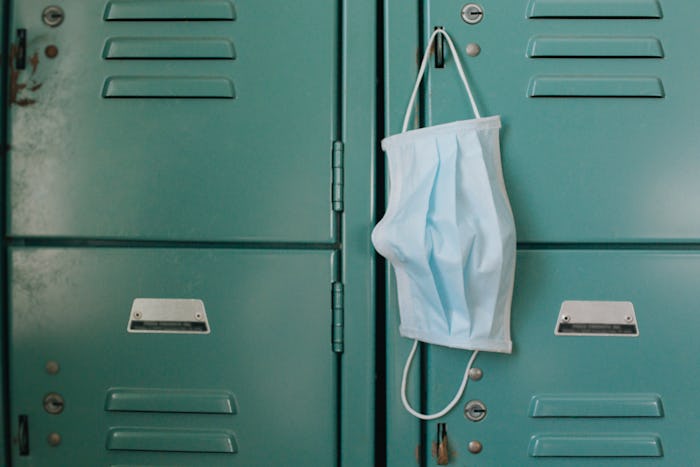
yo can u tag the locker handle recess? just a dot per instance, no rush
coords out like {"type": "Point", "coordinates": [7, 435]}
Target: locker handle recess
{"type": "Point", "coordinates": [439, 49]}
{"type": "Point", "coordinates": [23, 435]}
{"type": "Point", "coordinates": [21, 50]}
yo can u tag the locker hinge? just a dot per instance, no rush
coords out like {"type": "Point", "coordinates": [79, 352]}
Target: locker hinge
{"type": "Point", "coordinates": [338, 183]}
{"type": "Point", "coordinates": [338, 310]}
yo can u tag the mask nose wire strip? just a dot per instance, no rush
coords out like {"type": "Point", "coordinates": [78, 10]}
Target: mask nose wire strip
{"type": "Point", "coordinates": [421, 72]}
{"type": "Point", "coordinates": [450, 406]}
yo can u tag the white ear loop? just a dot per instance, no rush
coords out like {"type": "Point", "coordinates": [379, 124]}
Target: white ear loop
{"type": "Point", "coordinates": [450, 406]}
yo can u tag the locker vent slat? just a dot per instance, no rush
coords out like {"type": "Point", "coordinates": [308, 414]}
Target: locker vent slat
{"type": "Point", "coordinates": [596, 405]}
{"type": "Point", "coordinates": [168, 87]}
{"type": "Point", "coordinates": [171, 440]}
{"type": "Point", "coordinates": [169, 10]}
{"type": "Point", "coordinates": [595, 445]}
{"type": "Point", "coordinates": [168, 48]}
{"type": "Point", "coordinates": [594, 46]}
{"type": "Point", "coordinates": [170, 400]}
{"type": "Point", "coordinates": [595, 86]}
{"type": "Point", "coordinates": [594, 9]}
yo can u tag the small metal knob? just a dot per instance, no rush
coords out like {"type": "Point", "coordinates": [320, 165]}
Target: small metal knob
{"type": "Point", "coordinates": [473, 49]}
{"type": "Point", "coordinates": [472, 13]}
{"type": "Point", "coordinates": [475, 447]}
{"type": "Point", "coordinates": [54, 439]}
{"type": "Point", "coordinates": [52, 367]}
{"type": "Point", "coordinates": [53, 16]}
{"type": "Point", "coordinates": [475, 374]}
{"type": "Point", "coordinates": [54, 403]}
{"type": "Point", "coordinates": [51, 51]}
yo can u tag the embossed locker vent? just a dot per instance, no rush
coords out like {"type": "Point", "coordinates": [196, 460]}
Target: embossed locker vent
{"type": "Point", "coordinates": [595, 444]}
{"type": "Point", "coordinates": [585, 46]}
{"type": "Point", "coordinates": [147, 48]}
{"type": "Point", "coordinates": [170, 403]}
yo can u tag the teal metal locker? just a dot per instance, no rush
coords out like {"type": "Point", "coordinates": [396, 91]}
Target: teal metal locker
{"type": "Point", "coordinates": [3, 60]}
{"type": "Point", "coordinates": [259, 389]}
{"type": "Point", "coordinates": [599, 104]}
{"type": "Point", "coordinates": [164, 120]}
{"type": "Point", "coordinates": [211, 160]}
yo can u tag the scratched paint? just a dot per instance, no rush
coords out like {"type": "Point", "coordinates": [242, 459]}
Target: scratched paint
{"type": "Point", "coordinates": [19, 85]}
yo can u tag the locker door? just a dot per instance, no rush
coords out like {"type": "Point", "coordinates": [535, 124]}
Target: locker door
{"type": "Point", "coordinates": [599, 106]}
{"type": "Point", "coordinates": [258, 390]}
{"type": "Point", "coordinates": [584, 401]}
{"type": "Point", "coordinates": [598, 111]}
{"type": "Point", "coordinates": [175, 120]}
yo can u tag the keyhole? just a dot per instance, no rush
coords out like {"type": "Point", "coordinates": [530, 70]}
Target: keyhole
{"type": "Point", "coordinates": [472, 13]}
{"type": "Point", "coordinates": [54, 403]}
{"type": "Point", "coordinates": [475, 411]}
{"type": "Point", "coordinates": [53, 16]}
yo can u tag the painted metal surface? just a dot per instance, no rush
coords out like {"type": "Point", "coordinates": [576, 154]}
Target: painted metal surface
{"type": "Point", "coordinates": [4, 445]}
{"type": "Point", "coordinates": [208, 121]}
{"type": "Point", "coordinates": [171, 136]}
{"type": "Point", "coordinates": [638, 391]}
{"type": "Point", "coordinates": [586, 173]}
{"type": "Point", "coordinates": [359, 104]}
{"type": "Point", "coordinates": [269, 346]}
{"type": "Point", "coordinates": [583, 161]}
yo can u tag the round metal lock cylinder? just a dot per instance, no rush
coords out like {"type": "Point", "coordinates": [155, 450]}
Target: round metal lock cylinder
{"type": "Point", "coordinates": [54, 403]}
{"type": "Point", "coordinates": [53, 16]}
{"type": "Point", "coordinates": [475, 411]}
{"type": "Point", "coordinates": [472, 13]}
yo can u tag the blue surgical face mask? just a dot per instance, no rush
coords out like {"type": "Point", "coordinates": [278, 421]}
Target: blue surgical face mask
{"type": "Point", "coordinates": [449, 233]}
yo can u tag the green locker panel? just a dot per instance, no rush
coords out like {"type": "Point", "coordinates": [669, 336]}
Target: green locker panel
{"type": "Point", "coordinates": [3, 93]}
{"type": "Point", "coordinates": [599, 105]}
{"type": "Point", "coordinates": [175, 120]}
{"type": "Point", "coordinates": [579, 400]}
{"type": "Point", "coordinates": [258, 390]}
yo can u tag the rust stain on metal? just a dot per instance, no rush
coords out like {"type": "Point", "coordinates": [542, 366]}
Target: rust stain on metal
{"type": "Point", "coordinates": [16, 86]}
{"type": "Point", "coordinates": [419, 450]}
{"type": "Point", "coordinates": [34, 62]}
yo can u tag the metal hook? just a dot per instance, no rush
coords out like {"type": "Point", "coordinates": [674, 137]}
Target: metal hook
{"type": "Point", "coordinates": [439, 49]}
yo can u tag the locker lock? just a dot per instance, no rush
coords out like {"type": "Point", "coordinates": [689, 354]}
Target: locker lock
{"type": "Point", "coordinates": [472, 13]}
{"type": "Point", "coordinates": [54, 403]}
{"type": "Point", "coordinates": [475, 411]}
{"type": "Point", "coordinates": [53, 16]}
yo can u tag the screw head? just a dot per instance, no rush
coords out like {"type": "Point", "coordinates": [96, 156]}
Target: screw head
{"type": "Point", "coordinates": [52, 367]}
{"type": "Point", "coordinates": [476, 374]}
{"type": "Point", "coordinates": [137, 315]}
{"type": "Point", "coordinates": [54, 439]}
{"type": "Point", "coordinates": [475, 447]}
{"type": "Point", "coordinates": [566, 318]}
{"type": "Point", "coordinates": [51, 51]}
{"type": "Point", "coordinates": [198, 316]}
{"type": "Point", "coordinates": [628, 319]}
{"type": "Point", "coordinates": [473, 49]}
